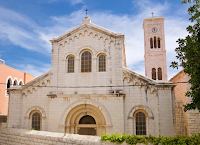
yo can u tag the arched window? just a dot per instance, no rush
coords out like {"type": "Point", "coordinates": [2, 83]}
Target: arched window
{"type": "Point", "coordinates": [159, 73]}
{"type": "Point", "coordinates": [86, 62]}
{"type": "Point", "coordinates": [70, 64]}
{"type": "Point", "coordinates": [158, 42]}
{"type": "Point", "coordinates": [9, 82]}
{"type": "Point", "coordinates": [155, 45]}
{"type": "Point", "coordinates": [36, 120]}
{"type": "Point", "coordinates": [151, 42]}
{"type": "Point", "coordinates": [153, 73]}
{"type": "Point", "coordinates": [15, 83]}
{"type": "Point", "coordinates": [87, 120]}
{"type": "Point", "coordinates": [102, 63]}
{"type": "Point", "coordinates": [20, 83]}
{"type": "Point", "coordinates": [140, 123]}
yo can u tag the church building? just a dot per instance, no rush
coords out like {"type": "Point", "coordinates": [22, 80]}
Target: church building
{"type": "Point", "coordinates": [89, 89]}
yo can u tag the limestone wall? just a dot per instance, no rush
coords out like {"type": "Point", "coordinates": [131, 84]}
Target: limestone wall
{"type": "Point", "coordinates": [12, 136]}
{"type": "Point", "coordinates": [54, 109]}
{"type": "Point", "coordinates": [180, 121]}
{"type": "Point", "coordinates": [97, 41]}
{"type": "Point", "coordinates": [186, 122]}
{"type": "Point", "coordinates": [155, 102]}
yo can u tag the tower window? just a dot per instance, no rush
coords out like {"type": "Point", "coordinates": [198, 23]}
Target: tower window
{"type": "Point", "coordinates": [151, 42]}
{"type": "Point", "coordinates": [158, 42]}
{"type": "Point", "coordinates": [159, 73]}
{"type": "Point", "coordinates": [155, 44]}
{"type": "Point", "coordinates": [153, 73]}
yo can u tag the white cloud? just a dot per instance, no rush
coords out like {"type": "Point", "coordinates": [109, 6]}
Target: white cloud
{"type": "Point", "coordinates": [20, 30]}
{"type": "Point", "coordinates": [73, 2]}
{"type": "Point", "coordinates": [35, 70]}
{"type": "Point", "coordinates": [76, 1]}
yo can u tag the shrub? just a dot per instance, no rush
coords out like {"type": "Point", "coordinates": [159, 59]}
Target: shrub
{"type": "Point", "coordinates": [134, 139]}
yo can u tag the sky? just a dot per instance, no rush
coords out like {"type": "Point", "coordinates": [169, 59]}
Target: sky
{"type": "Point", "coordinates": [26, 26]}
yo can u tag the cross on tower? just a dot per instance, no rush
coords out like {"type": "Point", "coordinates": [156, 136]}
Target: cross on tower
{"type": "Point", "coordinates": [152, 14]}
{"type": "Point", "coordinates": [86, 12]}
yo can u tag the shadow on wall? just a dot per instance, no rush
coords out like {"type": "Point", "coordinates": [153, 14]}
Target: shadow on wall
{"type": "Point", "coordinates": [3, 118]}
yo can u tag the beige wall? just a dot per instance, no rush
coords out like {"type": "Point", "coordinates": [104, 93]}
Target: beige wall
{"type": "Point", "coordinates": [118, 111]}
{"type": "Point", "coordinates": [117, 104]}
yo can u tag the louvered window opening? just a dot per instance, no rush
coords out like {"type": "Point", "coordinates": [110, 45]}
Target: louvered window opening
{"type": "Point", "coordinates": [70, 65]}
{"type": "Point", "coordinates": [86, 62]}
{"type": "Point", "coordinates": [159, 74]}
{"type": "Point", "coordinates": [36, 121]}
{"type": "Point", "coordinates": [140, 124]}
{"type": "Point", "coordinates": [153, 73]}
{"type": "Point", "coordinates": [158, 42]}
{"type": "Point", "coordinates": [155, 45]}
{"type": "Point", "coordinates": [151, 43]}
{"type": "Point", "coordinates": [102, 63]}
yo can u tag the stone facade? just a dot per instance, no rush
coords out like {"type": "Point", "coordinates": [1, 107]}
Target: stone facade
{"type": "Point", "coordinates": [113, 98]}
{"type": "Point", "coordinates": [187, 122]}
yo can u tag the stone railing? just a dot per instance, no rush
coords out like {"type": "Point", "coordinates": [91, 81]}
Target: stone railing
{"type": "Point", "coordinates": [32, 137]}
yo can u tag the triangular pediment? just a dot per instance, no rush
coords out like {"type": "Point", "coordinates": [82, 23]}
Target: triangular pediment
{"type": "Point", "coordinates": [75, 32]}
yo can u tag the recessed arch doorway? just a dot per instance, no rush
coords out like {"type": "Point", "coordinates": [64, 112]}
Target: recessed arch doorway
{"type": "Point", "coordinates": [85, 119]}
{"type": "Point", "coordinates": [87, 126]}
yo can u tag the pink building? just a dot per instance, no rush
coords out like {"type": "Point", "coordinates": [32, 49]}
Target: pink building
{"type": "Point", "coordinates": [8, 77]}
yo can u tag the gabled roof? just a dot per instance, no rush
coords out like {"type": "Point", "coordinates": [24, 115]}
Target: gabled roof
{"type": "Point", "coordinates": [149, 80]}
{"type": "Point", "coordinates": [86, 23]}
{"type": "Point", "coordinates": [41, 77]}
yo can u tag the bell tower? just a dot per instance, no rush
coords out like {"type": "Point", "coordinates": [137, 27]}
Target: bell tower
{"type": "Point", "coordinates": [154, 45]}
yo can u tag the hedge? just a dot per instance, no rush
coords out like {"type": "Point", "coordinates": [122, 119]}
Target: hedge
{"type": "Point", "coordinates": [133, 139]}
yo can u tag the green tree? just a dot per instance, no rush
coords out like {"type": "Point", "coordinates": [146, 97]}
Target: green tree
{"type": "Point", "coordinates": [188, 54]}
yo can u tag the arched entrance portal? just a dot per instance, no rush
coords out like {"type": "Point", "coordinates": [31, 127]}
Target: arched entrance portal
{"type": "Point", "coordinates": [85, 119]}
{"type": "Point", "coordinates": [83, 128]}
